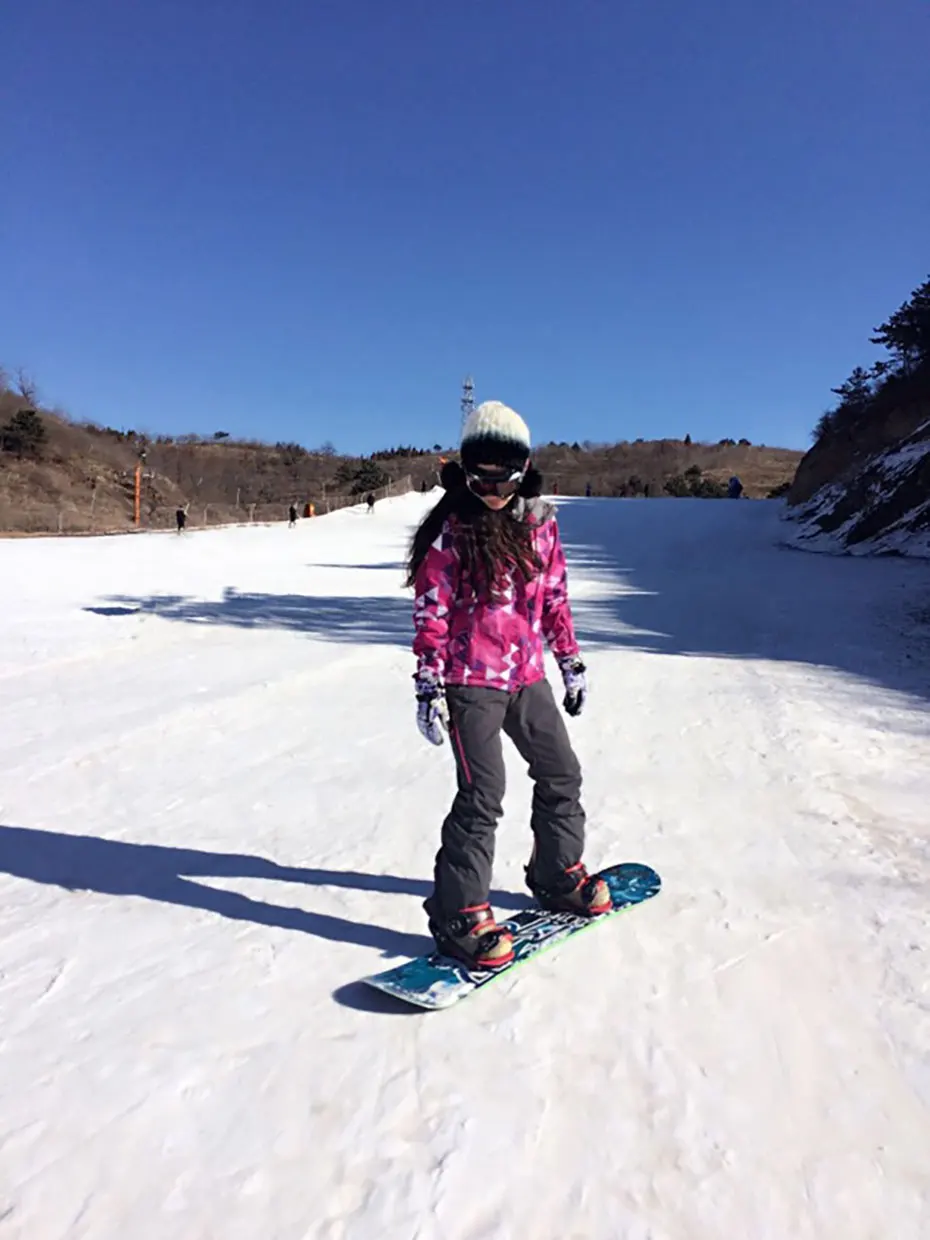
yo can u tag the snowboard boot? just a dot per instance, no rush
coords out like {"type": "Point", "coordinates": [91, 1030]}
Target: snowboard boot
{"type": "Point", "coordinates": [572, 891]}
{"type": "Point", "coordinates": [473, 937]}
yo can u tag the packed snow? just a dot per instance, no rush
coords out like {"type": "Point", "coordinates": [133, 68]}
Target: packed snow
{"type": "Point", "coordinates": [218, 816]}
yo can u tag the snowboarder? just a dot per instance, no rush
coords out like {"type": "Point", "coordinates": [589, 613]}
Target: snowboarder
{"type": "Point", "coordinates": [370, 501]}
{"type": "Point", "coordinates": [734, 488]}
{"type": "Point", "coordinates": [181, 518]}
{"type": "Point", "coordinates": [489, 576]}
{"type": "Point", "coordinates": [292, 516]}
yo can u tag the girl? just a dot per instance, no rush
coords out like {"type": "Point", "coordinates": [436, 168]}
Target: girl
{"type": "Point", "coordinates": [488, 573]}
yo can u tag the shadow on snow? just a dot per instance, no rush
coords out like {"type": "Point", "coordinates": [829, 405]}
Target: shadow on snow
{"type": "Point", "coordinates": [350, 618]}
{"type": "Point", "coordinates": [680, 577]}
{"type": "Point", "coordinates": [157, 872]}
{"type": "Point", "coordinates": [705, 577]}
{"type": "Point", "coordinates": [395, 566]}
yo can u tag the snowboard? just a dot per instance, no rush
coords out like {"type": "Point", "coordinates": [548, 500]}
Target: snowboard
{"type": "Point", "coordinates": [435, 981]}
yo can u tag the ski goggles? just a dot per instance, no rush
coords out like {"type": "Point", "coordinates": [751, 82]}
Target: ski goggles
{"type": "Point", "coordinates": [500, 482]}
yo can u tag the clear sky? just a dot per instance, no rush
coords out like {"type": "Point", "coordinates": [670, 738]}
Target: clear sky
{"type": "Point", "coordinates": [310, 219]}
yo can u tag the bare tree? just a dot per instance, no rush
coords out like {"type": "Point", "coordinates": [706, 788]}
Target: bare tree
{"type": "Point", "coordinates": [26, 386]}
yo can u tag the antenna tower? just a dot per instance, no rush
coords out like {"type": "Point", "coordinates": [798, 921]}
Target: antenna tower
{"type": "Point", "coordinates": [468, 397]}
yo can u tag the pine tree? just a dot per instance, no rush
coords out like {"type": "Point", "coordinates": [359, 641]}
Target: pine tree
{"type": "Point", "coordinates": [906, 334]}
{"type": "Point", "coordinates": [856, 393]}
{"type": "Point", "coordinates": [24, 434]}
{"type": "Point", "coordinates": [368, 477]}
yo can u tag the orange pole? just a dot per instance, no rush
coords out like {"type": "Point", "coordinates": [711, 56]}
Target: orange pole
{"type": "Point", "coordinates": [138, 497]}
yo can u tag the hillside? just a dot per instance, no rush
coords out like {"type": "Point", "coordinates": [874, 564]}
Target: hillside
{"type": "Point", "coordinates": [80, 478]}
{"type": "Point", "coordinates": [648, 467]}
{"type": "Point", "coordinates": [83, 479]}
{"type": "Point", "coordinates": [864, 487]}
{"type": "Point", "coordinates": [878, 501]}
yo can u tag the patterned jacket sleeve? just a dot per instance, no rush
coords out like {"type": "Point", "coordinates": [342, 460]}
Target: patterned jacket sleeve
{"type": "Point", "coordinates": [557, 625]}
{"type": "Point", "coordinates": [434, 588]}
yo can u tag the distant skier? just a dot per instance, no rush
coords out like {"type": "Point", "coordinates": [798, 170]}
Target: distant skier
{"type": "Point", "coordinates": [488, 571]}
{"type": "Point", "coordinates": [734, 488]}
{"type": "Point", "coordinates": [181, 518]}
{"type": "Point", "coordinates": [292, 516]}
{"type": "Point", "coordinates": [370, 501]}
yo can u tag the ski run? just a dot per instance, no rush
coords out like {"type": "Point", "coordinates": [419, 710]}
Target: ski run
{"type": "Point", "coordinates": [218, 815]}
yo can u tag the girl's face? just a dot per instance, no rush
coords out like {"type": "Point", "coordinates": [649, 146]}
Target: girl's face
{"type": "Point", "coordinates": [502, 495]}
{"type": "Point", "coordinates": [496, 502]}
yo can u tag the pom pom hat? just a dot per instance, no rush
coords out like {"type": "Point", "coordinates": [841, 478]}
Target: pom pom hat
{"type": "Point", "coordinates": [495, 435]}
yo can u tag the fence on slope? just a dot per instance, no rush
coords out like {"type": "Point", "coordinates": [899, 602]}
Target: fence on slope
{"type": "Point", "coordinates": [35, 518]}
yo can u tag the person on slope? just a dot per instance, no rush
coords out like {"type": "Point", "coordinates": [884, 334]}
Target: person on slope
{"type": "Point", "coordinates": [489, 579]}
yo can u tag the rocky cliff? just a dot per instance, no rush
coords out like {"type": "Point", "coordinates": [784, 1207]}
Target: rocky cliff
{"type": "Point", "coordinates": [865, 485]}
{"type": "Point", "coordinates": [875, 501]}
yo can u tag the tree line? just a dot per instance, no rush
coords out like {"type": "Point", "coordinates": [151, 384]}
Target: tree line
{"type": "Point", "coordinates": [218, 469]}
{"type": "Point", "coordinates": [900, 378]}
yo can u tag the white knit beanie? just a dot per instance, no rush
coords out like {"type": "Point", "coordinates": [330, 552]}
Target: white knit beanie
{"type": "Point", "coordinates": [494, 434]}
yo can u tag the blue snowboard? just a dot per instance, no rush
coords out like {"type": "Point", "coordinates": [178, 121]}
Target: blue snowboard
{"type": "Point", "coordinates": [435, 981]}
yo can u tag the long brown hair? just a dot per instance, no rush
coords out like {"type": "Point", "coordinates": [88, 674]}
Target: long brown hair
{"type": "Point", "coordinates": [492, 545]}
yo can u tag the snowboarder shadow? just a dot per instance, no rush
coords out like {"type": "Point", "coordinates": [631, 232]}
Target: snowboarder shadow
{"type": "Point", "coordinates": [168, 875]}
{"type": "Point", "coordinates": [384, 620]}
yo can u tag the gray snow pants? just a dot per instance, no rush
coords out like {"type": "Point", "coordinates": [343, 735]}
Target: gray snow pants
{"type": "Point", "coordinates": [532, 720]}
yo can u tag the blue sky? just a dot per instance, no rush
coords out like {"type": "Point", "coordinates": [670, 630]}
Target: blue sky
{"type": "Point", "coordinates": [309, 219]}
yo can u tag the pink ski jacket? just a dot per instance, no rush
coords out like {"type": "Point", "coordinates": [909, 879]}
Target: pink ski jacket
{"type": "Point", "coordinates": [465, 638]}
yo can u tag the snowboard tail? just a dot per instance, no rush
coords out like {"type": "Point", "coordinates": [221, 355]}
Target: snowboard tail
{"type": "Point", "coordinates": [435, 981]}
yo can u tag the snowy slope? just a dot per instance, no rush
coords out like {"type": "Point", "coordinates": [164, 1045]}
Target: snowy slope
{"type": "Point", "coordinates": [881, 507]}
{"type": "Point", "coordinates": [217, 815]}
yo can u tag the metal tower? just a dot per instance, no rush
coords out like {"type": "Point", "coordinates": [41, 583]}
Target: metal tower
{"type": "Point", "coordinates": [468, 397]}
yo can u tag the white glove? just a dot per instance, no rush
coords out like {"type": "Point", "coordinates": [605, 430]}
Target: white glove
{"type": "Point", "coordinates": [576, 684]}
{"type": "Point", "coordinates": [432, 710]}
